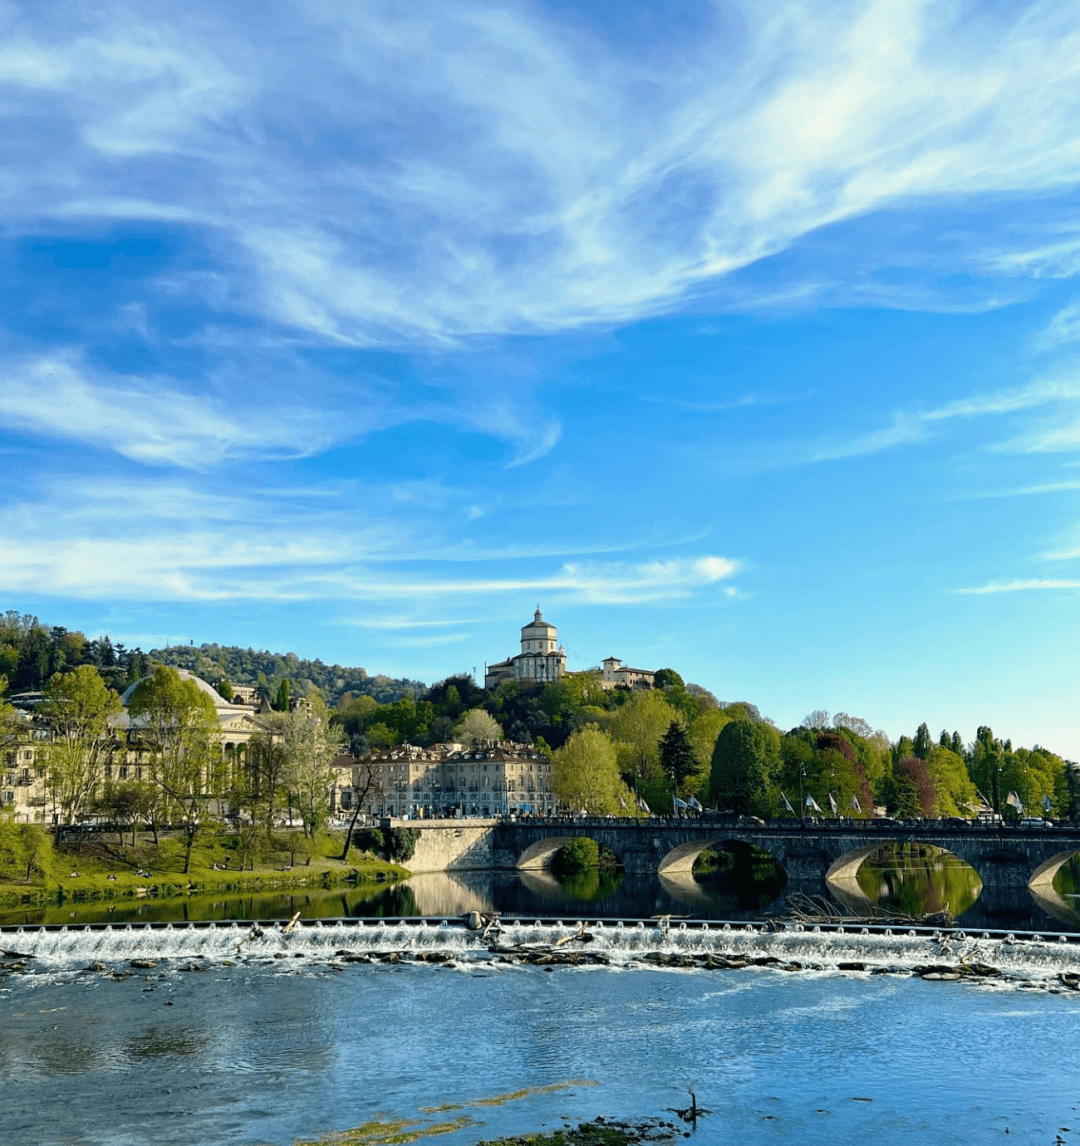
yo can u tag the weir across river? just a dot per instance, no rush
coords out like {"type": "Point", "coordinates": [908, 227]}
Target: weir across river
{"type": "Point", "coordinates": [1003, 857]}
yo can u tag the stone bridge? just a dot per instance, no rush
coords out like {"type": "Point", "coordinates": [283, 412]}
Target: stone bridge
{"type": "Point", "coordinates": [1003, 857]}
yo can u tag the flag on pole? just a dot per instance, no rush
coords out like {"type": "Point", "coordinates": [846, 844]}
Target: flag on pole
{"type": "Point", "coordinates": [1046, 803]}
{"type": "Point", "coordinates": [1013, 800]}
{"type": "Point", "coordinates": [693, 801]}
{"type": "Point", "coordinates": [812, 804]}
{"type": "Point", "coordinates": [787, 802]}
{"type": "Point", "coordinates": [679, 803]}
{"type": "Point", "coordinates": [622, 804]}
{"type": "Point", "coordinates": [643, 806]}
{"type": "Point", "coordinates": [832, 803]}
{"type": "Point", "coordinates": [854, 803]}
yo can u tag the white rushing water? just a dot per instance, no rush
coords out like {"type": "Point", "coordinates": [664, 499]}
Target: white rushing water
{"type": "Point", "coordinates": [619, 943]}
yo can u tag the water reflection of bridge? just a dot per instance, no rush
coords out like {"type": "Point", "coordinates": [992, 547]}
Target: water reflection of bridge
{"type": "Point", "coordinates": [1004, 858]}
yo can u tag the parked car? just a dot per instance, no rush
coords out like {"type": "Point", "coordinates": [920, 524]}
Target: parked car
{"type": "Point", "coordinates": [1035, 822]}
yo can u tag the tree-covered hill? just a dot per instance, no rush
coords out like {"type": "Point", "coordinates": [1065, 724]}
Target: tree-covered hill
{"type": "Point", "coordinates": [254, 667]}
{"type": "Point", "coordinates": [31, 652]}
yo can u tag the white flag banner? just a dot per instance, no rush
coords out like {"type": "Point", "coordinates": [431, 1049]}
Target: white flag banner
{"type": "Point", "coordinates": [813, 804]}
{"type": "Point", "coordinates": [679, 803]}
{"type": "Point", "coordinates": [622, 804]}
{"type": "Point", "coordinates": [854, 803]}
{"type": "Point", "coordinates": [1013, 800]}
{"type": "Point", "coordinates": [832, 803]}
{"type": "Point", "coordinates": [787, 803]}
{"type": "Point", "coordinates": [643, 806]}
{"type": "Point", "coordinates": [693, 801]}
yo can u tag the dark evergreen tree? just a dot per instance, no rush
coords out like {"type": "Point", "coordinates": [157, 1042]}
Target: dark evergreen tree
{"type": "Point", "coordinates": [32, 669]}
{"type": "Point", "coordinates": [677, 756]}
{"type": "Point", "coordinates": [922, 743]}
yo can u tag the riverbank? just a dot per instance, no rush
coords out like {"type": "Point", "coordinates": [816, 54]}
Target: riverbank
{"type": "Point", "coordinates": [97, 871]}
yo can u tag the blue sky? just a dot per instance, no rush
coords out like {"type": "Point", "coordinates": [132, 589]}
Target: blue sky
{"type": "Point", "coordinates": [743, 337]}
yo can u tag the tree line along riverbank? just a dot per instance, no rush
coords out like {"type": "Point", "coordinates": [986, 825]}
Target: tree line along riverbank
{"type": "Point", "coordinates": [37, 869]}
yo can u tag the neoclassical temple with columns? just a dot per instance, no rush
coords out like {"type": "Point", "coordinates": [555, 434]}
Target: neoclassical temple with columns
{"type": "Point", "coordinates": [23, 792]}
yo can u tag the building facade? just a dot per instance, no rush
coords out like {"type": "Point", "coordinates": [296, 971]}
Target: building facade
{"type": "Point", "coordinates": [23, 783]}
{"type": "Point", "coordinates": [22, 778]}
{"type": "Point", "coordinates": [451, 780]}
{"type": "Point", "coordinates": [541, 659]}
{"type": "Point", "coordinates": [614, 673]}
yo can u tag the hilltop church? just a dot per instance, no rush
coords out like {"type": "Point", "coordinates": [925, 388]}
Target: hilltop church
{"type": "Point", "coordinates": [542, 660]}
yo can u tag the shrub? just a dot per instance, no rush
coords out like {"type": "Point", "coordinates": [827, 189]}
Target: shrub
{"type": "Point", "coordinates": [401, 843]}
{"type": "Point", "coordinates": [580, 854]}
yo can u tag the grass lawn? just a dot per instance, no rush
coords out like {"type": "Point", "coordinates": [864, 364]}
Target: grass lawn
{"type": "Point", "coordinates": [98, 867]}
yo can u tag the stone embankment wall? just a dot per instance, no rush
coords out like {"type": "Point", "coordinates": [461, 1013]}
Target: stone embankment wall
{"type": "Point", "coordinates": [456, 845]}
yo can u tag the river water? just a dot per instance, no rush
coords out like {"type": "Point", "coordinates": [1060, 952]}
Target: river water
{"type": "Point", "coordinates": [925, 881]}
{"type": "Point", "coordinates": [276, 1039]}
{"type": "Point", "coordinates": [252, 1049]}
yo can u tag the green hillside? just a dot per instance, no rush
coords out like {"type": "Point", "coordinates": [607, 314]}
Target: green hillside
{"type": "Point", "coordinates": [254, 667]}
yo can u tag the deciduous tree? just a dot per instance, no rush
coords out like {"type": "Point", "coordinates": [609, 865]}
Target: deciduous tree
{"type": "Point", "coordinates": [79, 709]}
{"type": "Point", "coordinates": [176, 721]}
{"type": "Point", "coordinates": [477, 727]}
{"type": "Point", "coordinates": [311, 744]}
{"type": "Point", "coordinates": [585, 773]}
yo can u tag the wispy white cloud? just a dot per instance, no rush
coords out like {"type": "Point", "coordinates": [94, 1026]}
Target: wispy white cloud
{"type": "Point", "coordinates": [395, 624]}
{"type": "Point", "coordinates": [487, 168]}
{"type": "Point", "coordinates": [159, 421]}
{"type": "Point", "coordinates": [1063, 328]}
{"type": "Point", "coordinates": [1021, 586]}
{"type": "Point", "coordinates": [591, 582]}
{"type": "Point", "coordinates": [149, 420]}
{"type": "Point", "coordinates": [187, 540]}
{"type": "Point", "coordinates": [196, 566]}
{"type": "Point", "coordinates": [917, 426]}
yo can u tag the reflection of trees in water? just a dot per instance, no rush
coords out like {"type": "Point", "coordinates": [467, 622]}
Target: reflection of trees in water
{"type": "Point", "coordinates": [739, 877]}
{"type": "Point", "coordinates": [540, 893]}
{"type": "Point", "coordinates": [596, 883]}
{"type": "Point", "coordinates": [1067, 880]}
{"type": "Point", "coordinates": [397, 899]}
{"type": "Point", "coordinates": [919, 879]}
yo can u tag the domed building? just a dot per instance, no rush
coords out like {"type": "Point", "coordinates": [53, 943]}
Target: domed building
{"type": "Point", "coordinates": [541, 658]}
{"type": "Point", "coordinates": [237, 724]}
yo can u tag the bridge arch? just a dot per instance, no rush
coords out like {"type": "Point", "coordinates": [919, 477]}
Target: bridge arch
{"type": "Point", "coordinates": [680, 860]}
{"type": "Point", "coordinates": [847, 866]}
{"type": "Point", "coordinates": [1043, 876]}
{"type": "Point", "coordinates": [843, 883]}
{"type": "Point", "coordinates": [541, 854]}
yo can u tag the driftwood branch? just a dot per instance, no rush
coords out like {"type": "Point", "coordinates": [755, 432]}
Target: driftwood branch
{"type": "Point", "coordinates": [818, 909]}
